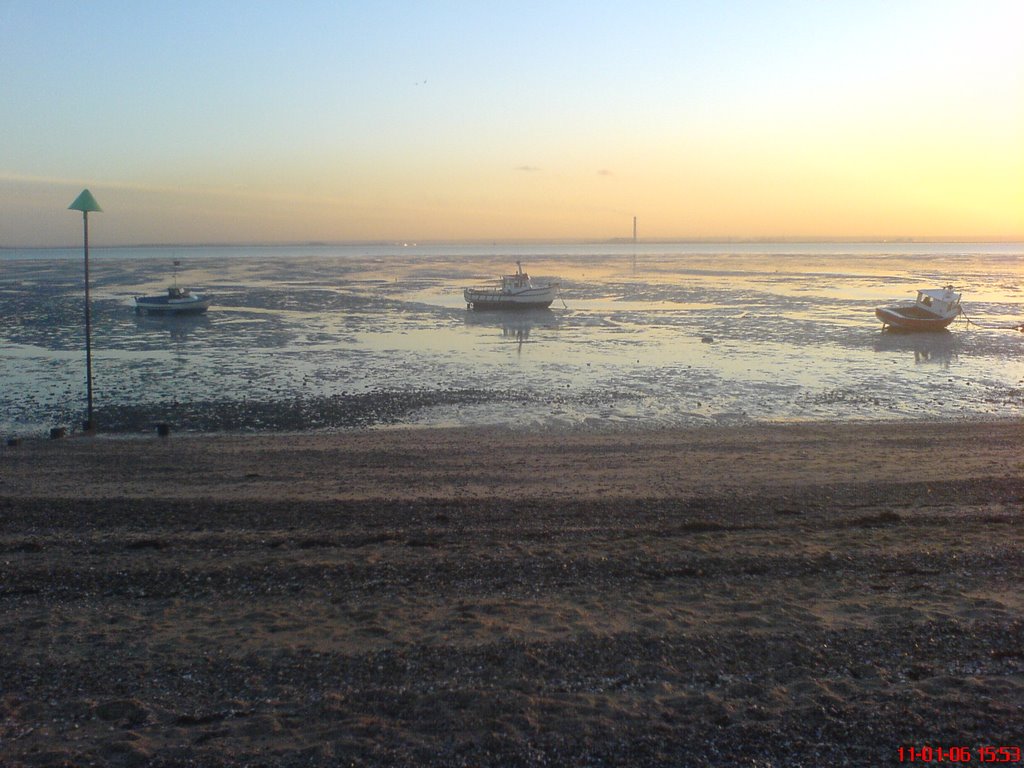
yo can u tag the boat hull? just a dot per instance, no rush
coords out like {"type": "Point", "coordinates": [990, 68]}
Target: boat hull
{"type": "Point", "coordinates": [161, 305]}
{"type": "Point", "coordinates": [533, 298]}
{"type": "Point", "coordinates": [903, 320]}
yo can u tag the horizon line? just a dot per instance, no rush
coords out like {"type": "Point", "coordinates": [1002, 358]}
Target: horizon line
{"type": "Point", "coordinates": [414, 242]}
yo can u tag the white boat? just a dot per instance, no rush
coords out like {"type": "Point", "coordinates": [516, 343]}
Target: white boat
{"type": "Point", "coordinates": [932, 310]}
{"type": "Point", "coordinates": [515, 292]}
{"type": "Point", "coordinates": [178, 301]}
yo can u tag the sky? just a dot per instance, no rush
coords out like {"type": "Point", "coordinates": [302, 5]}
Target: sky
{"type": "Point", "coordinates": [251, 121]}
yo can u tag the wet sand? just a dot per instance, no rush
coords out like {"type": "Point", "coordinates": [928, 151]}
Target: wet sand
{"type": "Point", "coordinates": [656, 336]}
{"type": "Point", "coordinates": [767, 595]}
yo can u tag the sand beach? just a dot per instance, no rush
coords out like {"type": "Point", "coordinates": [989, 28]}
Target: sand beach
{"type": "Point", "coordinates": [767, 595]}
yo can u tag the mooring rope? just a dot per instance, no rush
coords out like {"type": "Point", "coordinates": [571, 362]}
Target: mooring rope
{"type": "Point", "coordinates": [1018, 327]}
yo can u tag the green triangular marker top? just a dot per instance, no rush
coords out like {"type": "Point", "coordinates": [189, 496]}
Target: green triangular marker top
{"type": "Point", "coordinates": [85, 202]}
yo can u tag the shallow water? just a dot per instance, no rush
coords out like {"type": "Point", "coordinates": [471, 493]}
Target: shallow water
{"type": "Point", "coordinates": [644, 335]}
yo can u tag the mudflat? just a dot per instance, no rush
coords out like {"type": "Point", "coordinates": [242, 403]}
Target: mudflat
{"type": "Point", "coordinates": [795, 595]}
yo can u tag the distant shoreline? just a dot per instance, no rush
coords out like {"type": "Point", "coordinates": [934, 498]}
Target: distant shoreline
{"type": "Point", "coordinates": [413, 242]}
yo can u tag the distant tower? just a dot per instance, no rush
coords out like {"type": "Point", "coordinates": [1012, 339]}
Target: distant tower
{"type": "Point", "coordinates": [634, 229]}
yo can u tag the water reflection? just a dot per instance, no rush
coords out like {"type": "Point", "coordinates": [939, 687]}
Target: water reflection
{"type": "Point", "coordinates": [939, 348]}
{"type": "Point", "coordinates": [790, 322]}
{"type": "Point", "coordinates": [516, 324]}
{"type": "Point", "coordinates": [178, 328]}
{"type": "Point", "coordinates": [513, 323]}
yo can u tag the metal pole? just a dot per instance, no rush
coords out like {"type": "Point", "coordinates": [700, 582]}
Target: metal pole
{"type": "Point", "coordinates": [89, 424]}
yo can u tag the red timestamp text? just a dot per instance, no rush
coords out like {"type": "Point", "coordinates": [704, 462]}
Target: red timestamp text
{"type": "Point", "coordinates": [987, 754]}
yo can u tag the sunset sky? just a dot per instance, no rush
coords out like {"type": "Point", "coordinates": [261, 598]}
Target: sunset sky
{"type": "Point", "coordinates": [335, 121]}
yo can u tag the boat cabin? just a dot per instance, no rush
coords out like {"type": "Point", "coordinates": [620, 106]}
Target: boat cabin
{"type": "Point", "coordinates": [515, 282]}
{"type": "Point", "coordinates": [939, 301]}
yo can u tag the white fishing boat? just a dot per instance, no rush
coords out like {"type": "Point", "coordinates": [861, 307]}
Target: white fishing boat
{"type": "Point", "coordinates": [515, 292]}
{"type": "Point", "coordinates": [932, 310]}
{"type": "Point", "coordinates": [177, 301]}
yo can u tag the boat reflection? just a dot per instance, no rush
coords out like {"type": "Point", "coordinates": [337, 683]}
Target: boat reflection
{"type": "Point", "coordinates": [938, 348]}
{"type": "Point", "coordinates": [179, 328]}
{"type": "Point", "coordinates": [515, 325]}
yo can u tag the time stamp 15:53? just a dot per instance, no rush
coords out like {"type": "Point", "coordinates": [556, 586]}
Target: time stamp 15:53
{"type": "Point", "coordinates": [992, 754]}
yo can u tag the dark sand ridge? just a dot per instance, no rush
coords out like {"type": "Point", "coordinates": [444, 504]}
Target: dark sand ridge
{"type": "Point", "coordinates": [500, 464]}
{"type": "Point", "coordinates": [774, 595]}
